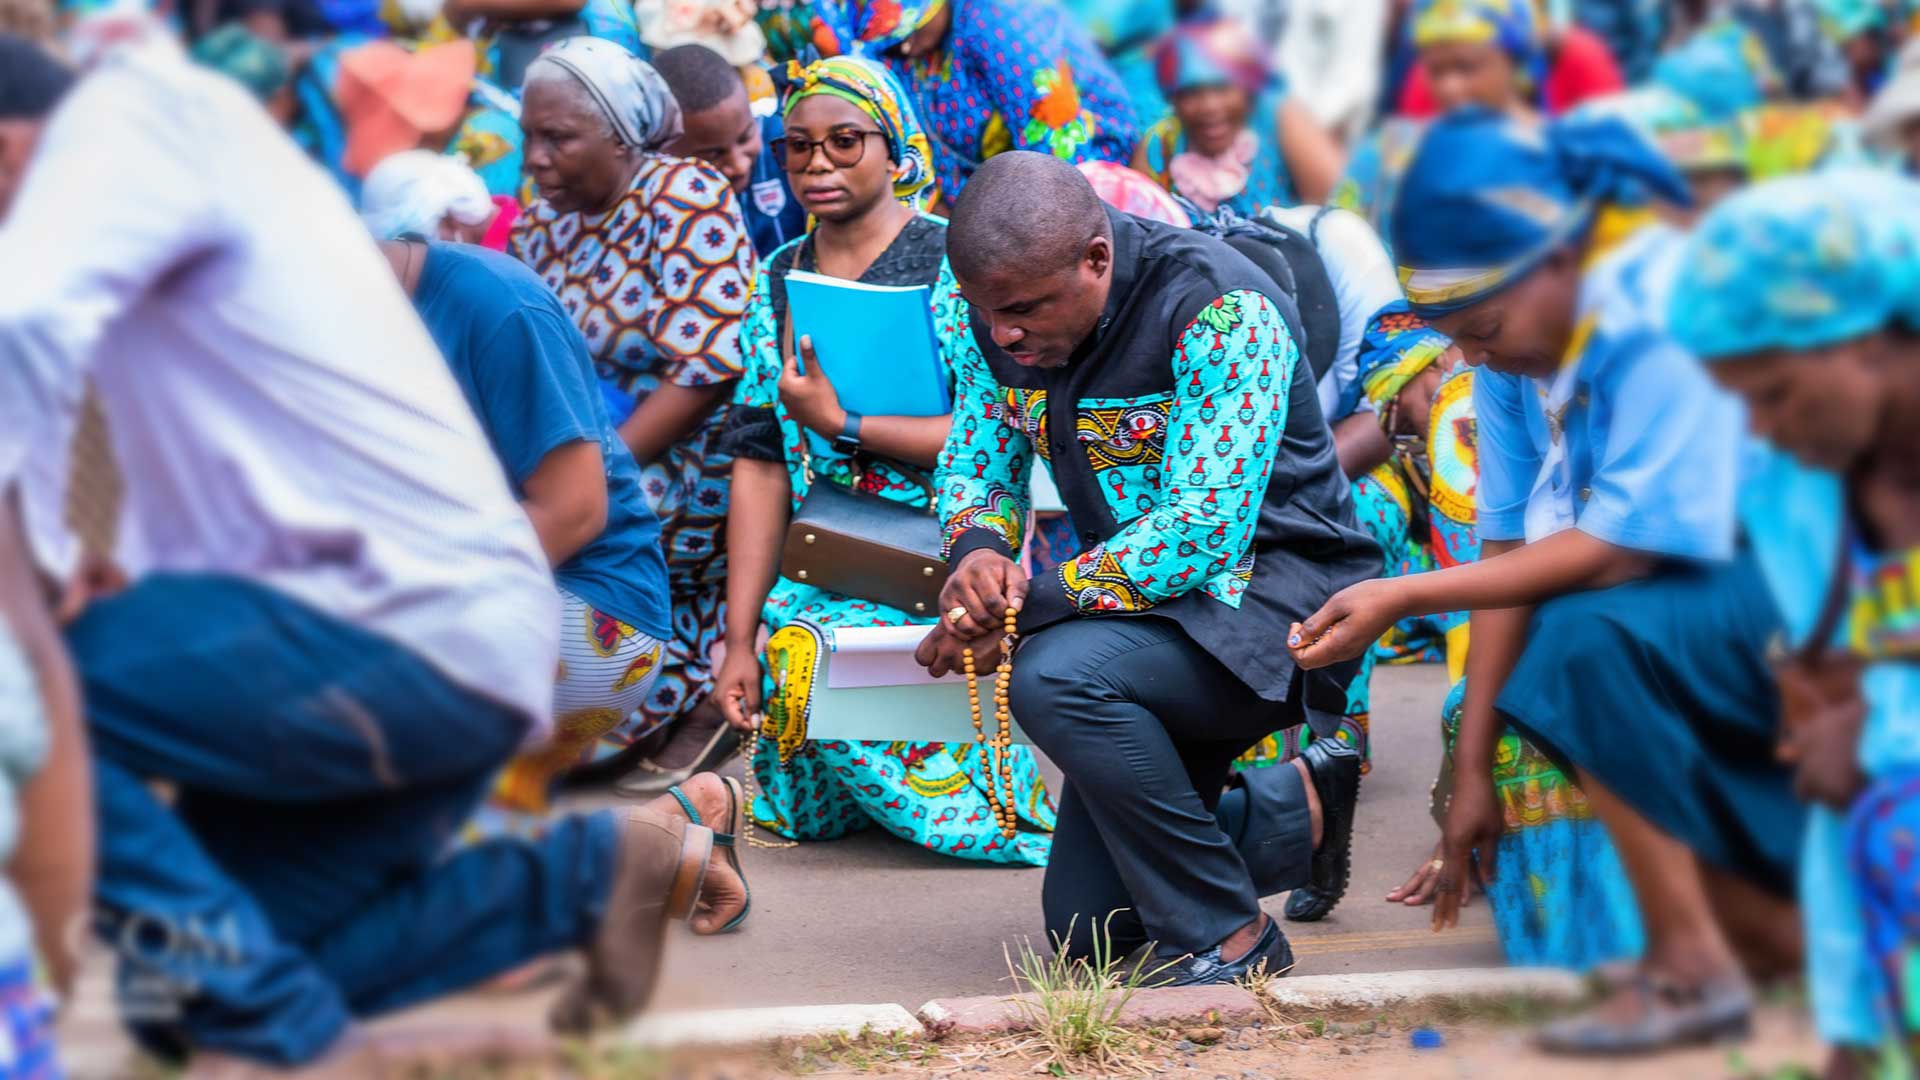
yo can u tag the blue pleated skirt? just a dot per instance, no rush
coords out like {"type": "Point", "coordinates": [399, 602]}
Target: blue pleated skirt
{"type": "Point", "coordinates": [1659, 690]}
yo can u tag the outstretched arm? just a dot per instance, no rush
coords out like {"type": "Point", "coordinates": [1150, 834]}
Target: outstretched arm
{"type": "Point", "coordinates": [1568, 561]}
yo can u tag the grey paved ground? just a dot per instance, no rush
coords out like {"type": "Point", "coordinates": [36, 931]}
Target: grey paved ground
{"type": "Point", "coordinates": [871, 919]}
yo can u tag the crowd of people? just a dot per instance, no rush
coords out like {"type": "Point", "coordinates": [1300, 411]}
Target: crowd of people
{"type": "Point", "coordinates": [402, 416]}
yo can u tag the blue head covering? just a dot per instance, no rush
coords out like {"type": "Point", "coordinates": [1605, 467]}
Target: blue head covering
{"type": "Point", "coordinates": [1487, 197]}
{"type": "Point", "coordinates": [1725, 68]}
{"type": "Point", "coordinates": [1800, 263]}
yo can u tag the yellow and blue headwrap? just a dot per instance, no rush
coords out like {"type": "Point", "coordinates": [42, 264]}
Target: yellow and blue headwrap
{"type": "Point", "coordinates": [871, 88]}
{"type": "Point", "coordinates": [1488, 197]}
{"type": "Point", "coordinates": [1398, 346]}
{"type": "Point", "coordinates": [1511, 25]}
{"type": "Point", "coordinates": [1800, 263]}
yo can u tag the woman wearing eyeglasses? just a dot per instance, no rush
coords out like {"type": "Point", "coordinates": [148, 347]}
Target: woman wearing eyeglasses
{"type": "Point", "coordinates": [650, 257]}
{"type": "Point", "coordinates": [857, 159]}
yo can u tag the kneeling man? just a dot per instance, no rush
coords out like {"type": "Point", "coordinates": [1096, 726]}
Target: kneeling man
{"type": "Point", "coordinates": [1157, 373]}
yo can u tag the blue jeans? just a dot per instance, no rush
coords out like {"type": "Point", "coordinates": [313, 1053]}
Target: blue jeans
{"type": "Point", "coordinates": [298, 878]}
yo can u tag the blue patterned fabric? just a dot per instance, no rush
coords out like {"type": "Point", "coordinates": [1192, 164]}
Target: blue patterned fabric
{"type": "Point", "coordinates": [1724, 68]}
{"type": "Point", "coordinates": [1208, 50]}
{"type": "Point", "coordinates": [1800, 263]}
{"type": "Point", "coordinates": [1691, 140]}
{"type": "Point", "coordinates": [1015, 76]}
{"type": "Point", "coordinates": [1559, 895]}
{"type": "Point", "coordinates": [1884, 852]}
{"type": "Point", "coordinates": [1632, 29]}
{"type": "Point", "coordinates": [1237, 349]}
{"type": "Point", "coordinates": [1487, 197]}
{"type": "Point", "coordinates": [27, 1048]}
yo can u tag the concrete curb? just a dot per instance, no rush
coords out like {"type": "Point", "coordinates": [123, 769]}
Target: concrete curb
{"type": "Point", "coordinates": [749, 1027]}
{"type": "Point", "coordinates": [1400, 987]}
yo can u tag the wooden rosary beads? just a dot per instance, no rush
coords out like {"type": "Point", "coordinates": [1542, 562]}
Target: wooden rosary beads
{"type": "Point", "coordinates": [749, 750]}
{"type": "Point", "coordinates": [999, 749]}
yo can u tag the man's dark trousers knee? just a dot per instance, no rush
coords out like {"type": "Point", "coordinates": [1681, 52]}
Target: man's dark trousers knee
{"type": "Point", "coordinates": [1146, 725]}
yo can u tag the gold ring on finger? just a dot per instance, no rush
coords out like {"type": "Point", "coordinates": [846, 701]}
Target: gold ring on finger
{"type": "Point", "coordinates": [1437, 865]}
{"type": "Point", "coordinates": [956, 614]}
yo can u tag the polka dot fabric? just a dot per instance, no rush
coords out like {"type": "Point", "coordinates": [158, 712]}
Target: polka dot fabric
{"type": "Point", "coordinates": [1016, 77]}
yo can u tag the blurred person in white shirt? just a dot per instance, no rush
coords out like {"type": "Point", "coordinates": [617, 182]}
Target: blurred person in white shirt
{"type": "Point", "coordinates": [339, 622]}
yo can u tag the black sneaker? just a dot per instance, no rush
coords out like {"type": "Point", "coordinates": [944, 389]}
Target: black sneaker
{"type": "Point", "coordinates": [1206, 968]}
{"type": "Point", "coordinates": [1335, 768]}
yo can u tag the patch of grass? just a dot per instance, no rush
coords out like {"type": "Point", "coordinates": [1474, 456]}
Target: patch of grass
{"type": "Point", "coordinates": [865, 1050]}
{"type": "Point", "coordinates": [612, 1061]}
{"type": "Point", "coordinates": [1075, 1004]}
{"type": "Point", "coordinates": [1259, 982]}
{"type": "Point", "coordinates": [1739, 1068]}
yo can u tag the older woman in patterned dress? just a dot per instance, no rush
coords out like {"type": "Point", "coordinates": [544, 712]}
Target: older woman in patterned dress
{"type": "Point", "coordinates": [650, 258]}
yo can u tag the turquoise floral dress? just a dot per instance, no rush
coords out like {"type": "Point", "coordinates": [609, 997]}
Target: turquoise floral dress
{"type": "Point", "coordinates": [932, 794]}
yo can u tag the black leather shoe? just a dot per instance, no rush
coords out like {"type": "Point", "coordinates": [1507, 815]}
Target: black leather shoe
{"type": "Point", "coordinates": [1206, 968]}
{"type": "Point", "coordinates": [1335, 769]}
{"type": "Point", "coordinates": [1306, 904]}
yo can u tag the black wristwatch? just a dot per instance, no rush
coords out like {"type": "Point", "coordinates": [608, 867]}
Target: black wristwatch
{"type": "Point", "coordinates": [848, 441]}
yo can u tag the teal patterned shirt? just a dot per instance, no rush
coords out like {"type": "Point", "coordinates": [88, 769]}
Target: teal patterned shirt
{"type": "Point", "coordinates": [1183, 471]}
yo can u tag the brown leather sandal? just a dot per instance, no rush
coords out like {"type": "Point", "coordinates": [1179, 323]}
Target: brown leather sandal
{"type": "Point", "coordinates": [660, 866]}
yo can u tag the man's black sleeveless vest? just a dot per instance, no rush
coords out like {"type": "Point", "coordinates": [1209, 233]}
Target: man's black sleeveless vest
{"type": "Point", "coordinates": [1307, 543]}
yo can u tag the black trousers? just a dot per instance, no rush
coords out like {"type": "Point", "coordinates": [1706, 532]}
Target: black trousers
{"type": "Point", "coordinates": [1146, 724]}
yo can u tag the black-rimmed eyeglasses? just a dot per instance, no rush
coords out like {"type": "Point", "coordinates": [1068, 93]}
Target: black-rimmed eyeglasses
{"type": "Point", "coordinates": [844, 148]}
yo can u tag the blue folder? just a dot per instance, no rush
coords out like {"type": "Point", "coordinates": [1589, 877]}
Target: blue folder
{"type": "Point", "coordinates": [875, 343]}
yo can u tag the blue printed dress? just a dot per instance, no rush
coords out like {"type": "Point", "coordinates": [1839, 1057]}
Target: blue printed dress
{"type": "Point", "coordinates": [1015, 76]}
{"type": "Point", "coordinates": [1858, 881]}
{"type": "Point", "coordinates": [932, 794]}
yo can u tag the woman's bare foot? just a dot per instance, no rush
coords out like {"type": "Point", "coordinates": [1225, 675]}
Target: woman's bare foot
{"type": "Point", "coordinates": [708, 793]}
{"type": "Point", "coordinates": [723, 894]}
{"type": "Point", "coordinates": [700, 740]}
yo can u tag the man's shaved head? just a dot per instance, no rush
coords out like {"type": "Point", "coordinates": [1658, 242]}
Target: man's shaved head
{"type": "Point", "coordinates": [1023, 209]}
{"type": "Point", "coordinates": [1032, 248]}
